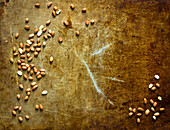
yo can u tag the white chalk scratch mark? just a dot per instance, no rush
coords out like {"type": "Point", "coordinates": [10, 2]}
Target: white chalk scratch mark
{"type": "Point", "coordinates": [115, 79]}
{"type": "Point", "coordinates": [92, 77]}
{"type": "Point", "coordinates": [102, 49]}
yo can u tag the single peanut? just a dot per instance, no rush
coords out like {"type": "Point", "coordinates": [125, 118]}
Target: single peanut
{"type": "Point", "coordinates": [84, 10]}
{"type": "Point", "coordinates": [18, 96]}
{"type": "Point", "coordinates": [43, 73]}
{"type": "Point", "coordinates": [138, 120]}
{"type": "Point", "coordinates": [140, 109]}
{"type": "Point", "coordinates": [155, 104]}
{"type": "Point", "coordinates": [51, 59]}
{"type": "Point", "coordinates": [17, 35]}
{"type": "Point", "coordinates": [154, 117]}
{"type": "Point", "coordinates": [25, 76]}
{"type": "Point", "coordinates": [32, 65]}
{"type": "Point", "coordinates": [28, 50]}
{"type": "Point", "coordinates": [45, 37]}
{"type": "Point", "coordinates": [35, 53]}
{"type": "Point", "coordinates": [55, 8]}
{"type": "Point", "coordinates": [36, 107]}
{"type": "Point", "coordinates": [48, 35]}
{"type": "Point", "coordinates": [27, 117]}
{"type": "Point", "coordinates": [77, 33]}
{"type": "Point", "coordinates": [14, 113]}
{"type": "Point", "coordinates": [19, 73]}
{"type": "Point", "coordinates": [20, 119]}
{"type": "Point", "coordinates": [26, 20]}
{"type": "Point", "coordinates": [24, 67]}
{"type": "Point", "coordinates": [28, 93]}
{"type": "Point", "coordinates": [139, 114]}
{"type": "Point", "coordinates": [16, 107]}
{"type": "Point", "coordinates": [151, 101]}
{"type": "Point", "coordinates": [153, 88]}
{"type": "Point", "coordinates": [33, 84]}
{"type": "Point", "coordinates": [31, 72]}
{"type": "Point", "coordinates": [153, 109]}
{"type": "Point", "coordinates": [147, 112]}
{"type": "Point", "coordinates": [130, 109]}
{"type": "Point", "coordinates": [32, 48]}
{"type": "Point", "coordinates": [48, 22]}
{"type": "Point", "coordinates": [54, 13]}
{"type": "Point", "coordinates": [72, 6]}
{"type": "Point", "coordinates": [35, 45]}
{"type": "Point", "coordinates": [66, 23]}
{"type": "Point", "coordinates": [60, 40]}
{"type": "Point", "coordinates": [19, 67]}
{"type": "Point", "coordinates": [41, 107]}
{"type": "Point", "coordinates": [27, 45]}
{"type": "Point", "coordinates": [26, 98]}
{"type": "Point", "coordinates": [52, 33]}
{"type": "Point", "coordinates": [37, 5]}
{"type": "Point", "coordinates": [44, 44]}
{"type": "Point", "coordinates": [156, 114]}
{"type": "Point", "coordinates": [49, 4]}
{"type": "Point", "coordinates": [92, 21]}
{"type": "Point", "coordinates": [38, 73]}
{"type": "Point", "coordinates": [30, 78]}
{"type": "Point", "coordinates": [157, 85]}
{"type": "Point", "coordinates": [31, 35]}
{"type": "Point", "coordinates": [19, 61]}
{"type": "Point", "coordinates": [150, 86]}
{"type": "Point", "coordinates": [44, 29]}
{"type": "Point", "coordinates": [39, 76]}
{"type": "Point", "coordinates": [20, 108]}
{"type": "Point", "coordinates": [14, 49]}
{"type": "Point", "coordinates": [22, 56]}
{"type": "Point", "coordinates": [30, 59]}
{"type": "Point", "coordinates": [27, 27]}
{"type": "Point", "coordinates": [87, 22]}
{"type": "Point", "coordinates": [162, 109]}
{"type": "Point", "coordinates": [23, 64]}
{"type": "Point", "coordinates": [39, 45]}
{"type": "Point", "coordinates": [21, 86]}
{"type": "Point", "coordinates": [36, 31]}
{"type": "Point", "coordinates": [35, 87]}
{"type": "Point", "coordinates": [15, 54]}
{"type": "Point", "coordinates": [156, 77]}
{"type": "Point", "coordinates": [134, 110]}
{"type": "Point", "coordinates": [11, 60]}
{"type": "Point", "coordinates": [35, 70]}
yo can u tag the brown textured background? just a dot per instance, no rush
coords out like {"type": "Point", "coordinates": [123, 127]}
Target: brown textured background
{"type": "Point", "coordinates": [139, 36]}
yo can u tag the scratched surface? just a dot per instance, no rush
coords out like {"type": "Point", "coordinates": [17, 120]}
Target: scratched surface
{"type": "Point", "coordinates": [94, 77]}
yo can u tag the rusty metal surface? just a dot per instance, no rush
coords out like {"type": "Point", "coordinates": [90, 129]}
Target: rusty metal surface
{"type": "Point", "coordinates": [129, 41]}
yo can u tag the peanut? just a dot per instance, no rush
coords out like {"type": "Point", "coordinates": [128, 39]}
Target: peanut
{"type": "Point", "coordinates": [36, 107]}
{"type": "Point", "coordinates": [14, 113]}
{"type": "Point", "coordinates": [87, 22]}
{"type": "Point", "coordinates": [145, 101]}
{"type": "Point", "coordinates": [92, 21]}
{"type": "Point", "coordinates": [49, 4]}
{"type": "Point", "coordinates": [51, 59]}
{"type": "Point", "coordinates": [11, 60]}
{"type": "Point", "coordinates": [19, 67]}
{"type": "Point", "coordinates": [17, 35]}
{"type": "Point", "coordinates": [35, 45]}
{"type": "Point", "coordinates": [20, 108]}
{"type": "Point", "coordinates": [35, 87]}
{"type": "Point", "coordinates": [44, 92]}
{"type": "Point", "coordinates": [28, 50]}
{"type": "Point", "coordinates": [38, 73]}
{"type": "Point", "coordinates": [35, 53]}
{"type": "Point", "coordinates": [32, 49]}
{"type": "Point", "coordinates": [30, 59]}
{"type": "Point", "coordinates": [154, 117]}
{"type": "Point", "coordinates": [44, 44]}
{"type": "Point", "coordinates": [41, 107]}
{"type": "Point", "coordinates": [155, 104]}
{"type": "Point", "coordinates": [156, 77]}
{"type": "Point", "coordinates": [49, 35]}
{"type": "Point", "coordinates": [147, 112]}
{"type": "Point", "coordinates": [139, 114]}
{"type": "Point", "coordinates": [27, 45]}
{"type": "Point", "coordinates": [21, 86]}
{"type": "Point", "coordinates": [153, 88]}
{"type": "Point", "coordinates": [39, 76]}
{"type": "Point", "coordinates": [24, 67]}
{"type": "Point", "coordinates": [19, 73]}
{"type": "Point", "coordinates": [26, 20]}
{"type": "Point", "coordinates": [28, 90]}
{"type": "Point", "coordinates": [27, 27]}
{"type": "Point", "coordinates": [48, 22]}
{"type": "Point", "coordinates": [16, 107]}
{"type": "Point", "coordinates": [156, 114]}
{"type": "Point", "coordinates": [84, 10]}
{"type": "Point", "coordinates": [31, 72]}
{"type": "Point", "coordinates": [52, 33]}
{"type": "Point", "coordinates": [60, 40]}
{"type": "Point", "coordinates": [55, 8]}
{"type": "Point", "coordinates": [140, 109]}
{"type": "Point", "coordinates": [26, 98]}
{"type": "Point", "coordinates": [39, 44]}
{"type": "Point", "coordinates": [54, 13]}
{"type": "Point", "coordinates": [130, 109]}
{"type": "Point", "coordinates": [15, 54]}
{"type": "Point", "coordinates": [138, 120]}
{"type": "Point", "coordinates": [32, 65]}
{"type": "Point", "coordinates": [153, 109]}
{"type": "Point", "coordinates": [38, 40]}
{"type": "Point", "coordinates": [66, 23]}
{"type": "Point", "coordinates": [130, 113]}
{"type": "Point", "coordinates": [32, 40]}
{"type": "Point", "coordinates": [162, 109]}
{"type": "Point", "coordinates": [22, 56]}
{"type": "Point", "coordinates": [45, 37]}
{"type": "Point", "coordinates": [72, 6]}
{"type": "Point", "coordinates": [14, 49]}
{"type": "Point", "coordinates": [151, 101]}
{"type": "Point", "coordinates": [157, 85]}
{"type": "Point", "coordinates": [43, 73]}
{"type": "Point", "coordinates": [28, 93]}
{"type": "Point", "coordinates": [134, 110]}
{"type": "Point", "coordinates": [35, 70]}
{"type": "Point", "coordinates": [25, 76]}
{"type": "Point", "coordinates": [31, 35]}
{"type": "Point", "coordinates": [77, 33]}
{"type": "Point", "coordinates": [33, 84]}
{"type": "Point", "coordinates": [27, 117]}
{"type": "Point", "coordinates": [19, 61]}
{"type": "Point", "coordinates": [36, 31]}
{"type": "Point", "coordinates": [37, 5]}
{"type": "Point", "coordinates": [30, 78]}
{"type": "Point", "coordinates": [18, 96]}
{"type": "Point", "coordinates": [44, 30]}
{"type": "Point", "coordinates": [20, 119]}
{"type": "Point", "coordinates": [150, 86]}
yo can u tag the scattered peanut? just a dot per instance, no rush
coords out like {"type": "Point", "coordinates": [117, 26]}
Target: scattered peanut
{"type": "Point", "coordinates": [159, 98]}
{"type": "Point", "coordinates": [41, 107]}
{"type": "Point", "coordinates": [35, 87]}
{"type": "Point", "coordinates": [139, 114]}
{"type": "Point", "coordinates": [45, 37]}
{"type": "Point", "coordinates": [20, 108]}
{"type": "Point", "coordinates": [84, 10]}
{"type": "Point", "coordinates": [157, 85]}
{"type": "Point", "coordinates": [19, 61]}
{"type": "Point", "coordinates": [19, 73]}
{"type": "Point", "coordinates": [25, 76]}
{"type": "Point", "coordinates": [51, 59]}
{"type": "Point", "coordinates": [140, 109]}
{"type": "Point", "coordinates": [28, 93]}
{"type": "Point", "coordinates": [162, 109]}
{"type": "Point", "coordinates": [66, 23]}
{"type": "Point", "coordinates": [87, 22]}
{"type": "Point", "coordinates": [16, 107]}
{"type": "Point", "coordinates": [60, 40]}
{"type": "Point", "coordinates": [55, 8]}
{"type": "Point", "coordinates": [26, 98]}
{"type": "Point", "coordinates": [130, 109]}
{"type": "Point", "coordinates": [20, 119]}
{"type": "Point", "coordinates": [156, 77]}
{"type": "Point", "coordinates": [14, 113]}
{"type": "Point", "coordinates": [44, 92]}
{"type": "Point", "coordinates": [18, 96]}
{"type": "Point", "coordinates": [154, 117]}
{"type": "Point", "coordinates": [24, 67]}
{"type": "Point", "coordinates": [14, 49]}
{"type": "Point", "coordinates": [145, 101]}
{"type": "Point", "coordinates": [17, 35]}
{"type": "Point", "coordinates": [31, 35]}
{"type": "Point", "coordinates": [27, 27]}
{"type": "Point", "coordinates": [72, 6]}
{"type": "Point", "coordinates": [92, 21]}
{"type": "Point", "coordinates": [49, 4]}
{"type": "Point", "coordinates": [44, 44]}
{"type": "Point", "coordinates": [138, 120]}
{"type": "Point", "coordinates": [155, 104]}
{"type": "Point", "coordinates": [54, 13]}
{"type": "Point", "coordinates": [153, 109]}
{"type": "Point", "coordinates": [77, 33]}
{"type": "Point", "coordinates": [147, 112]}
{"type": "Point", "coordinates": [134, 110]}
{"type": "Point", "coordinates": [15, 54]}
{"type": "Point", "coordinates": [156, 114]}
{"type": "Point", "coordinates": [151, 101]}
{"type": "Point", "coordinates": [48, 22]}
{"type": "Point", "coordinates": [26, 20]}
{"type": "Point", "coordinates": [27, 117]}
{"type": "Point", "coordinates": [153, 88]}
{"type": "Point", "coordinates": [150, 86]}
{"type": "Point", "coordinates": [36, 107]}
{"type": "Point", "coordinates": [37, 5]}
{"type": "Point", "coordinates": [21, 86]}
{"type": "Point", "coordinates": [11, 60]}
{"type": "Point", "coordinates": [130, 113]}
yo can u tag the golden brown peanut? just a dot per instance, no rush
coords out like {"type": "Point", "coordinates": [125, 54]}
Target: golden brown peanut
{"type": "Point", "coordinates": [28, 89]}
{"type": "Point", "coordinates": [33, 84]}
{"type": "Point", "coordinates": [17, 35]}
{"type": "Point", "coordinates": [20, 108]}
{"type": "Point", "coordinates": [24, 67]}
{"type": "Point", "coordinates": [27, 27]}
{"type": "Point", "coordinates": [21, 45]}
{"type": "Point", "coordinates": [72, 6]}
{"type": "Point", "coordinates": [92, 21]}
{"type": "Point", "coordinates": [66, 23]}
{"type": "Point", "coordinates": [153, 109]}
{"type": "Point", "coordinates": [48, 35]}
{"type": "Point", "coordinates": [35, 31]}
{"type": "Point", "coordinates": [162, 109]}
{"type": "Point", "coordinates": [27, 45]}
{"type": "Point", "coordinates": [31, 35]}
{"type": "Point", "coordinates": [15, 54]}
{"type": "Point", "coordinates": [28, 55]}
{"type": "Point", "coordinates": [157, 85]}
{"type": "Point", "coordinates": [39, 44]}
{"type": "Point", "coordinates": [20, 119]}
{"type": "Point", "coordinates": [18, 96]}
{"type": "Point", "coordinates": [156, 114]}
{"type": "Point", "coordinates": [147, 112]}
{"type": "Point", "coordinates": [42, 70]}
{"type": "Point", "coordinates": [26, 98]}
{"type": "Point", "coordinates": [44, 30]}
{"type": "Point", "coordinates": [156, 77]}
{"type": "Point", "coordinates": [19, 67]}
{"type": "Point", "coordinates": [14, 49]}
{"type": "Point", "coordinates": [36, 107]}
{"type": "Point", "coordinates": [134, 110]}
{"type": "Point", "coordinates": [32, 65]}
{"type": "Point", "coordinates": [19, 73]}
{"type": "Point", "coordinates": [43, 73]}
{"type": "Point", "coordinates": [38, 73]}
{"type": "Point", "coordinates": [22, 60]}
{"type": "Point", "coordinates": [36, 53]}
{"type": "Point", "coordinates": [140, 109]}
{"type": "Point", "coordinates": [30, 59]}
{"type": "Point", "coordinates": [48, 22]}
{"type": "Point", "coordinates": [44, 44]}
{"type": "Point", "coordinates": [159, 98]}
{"type": "Point", "coordinates": [41, 107]}
{"type": "Point", "coordinates": [51, 59]}
{"type": "Point", "coordinates": [25, 76]}
{"type": "Point", "coordinates": [23, 64]}
{"type": "Point", "coordinates": [28, 93]}
{"type": "Point", "coordinates": [45, 37]}
{"type": "Point", "coordinates": [14, 113]}
{"type": "Point", "coordinates": [37, 5]}
{"type": "Point", "coordinates": [22, 56]}
{"type": "Point", "coordinates": [130, 113]}
{"type": "Point", "coordinates": [38, 49]}
{"type": "Point", "coordinates": [32, 49]}
{"type": "Point", "coordinates": [145, 101]}
{"type": "Point", "coordinates": [84, 10]}
{"type": "Point", "coordinates": [139, 114]}
{"type": "Point", "coordinates": [153, 88]}
{"type": "Point", "coordinates": [28, 50]}
{"type": "Point", "coordinates": [155, 104]}
{"type": "Point", "coordinates": [138, 120]}
{"type": "Point", "coordinates": [19, 61]}
{"type": "Point", "coordinates": [154, 117]}
{"type": "Point", "coordinates": [151, 101]}
{"type": "Point", "coordinates": [52, 33]}
{"type": "Point", "coordinates": [38, 40]}
{"type": "Point", "coordinates": [130, 109]}
{"type": "Point", "coordinates": [77, 33]}
{"type": "Point", "coordinates": [39, 77]}
{"type": "Point", "coordinates": [35, 70]}
{"type": "Point", "coordinates": [35, 87]}
{"type": "Point", "coordinates": [54, 13]}
{"type": "Point", "coordinates": [11, 60]}
{"type": "Point", "coordinates": [87, 22]}
{"type": "Point", "coordinates": [49, 4]}
{"type": "Point", "coordinates": [30, 78]}
{"type": "Point", "coordinates": [32, 40]}
{"type": "Point", "coordinates": [27, 117]}
{"type": "Point", "coordinates": [16, 107]}
{"type": "Point", "coordinates": [60, 40]}
{"type": "Point", "coordinates": [31, 72]}
{"type": "Point", "coordinates": [21, 86]}
{"type": "Point", "coordinates": [55, 8]}
{"type": "Point", "coordinates": [26, 20]}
